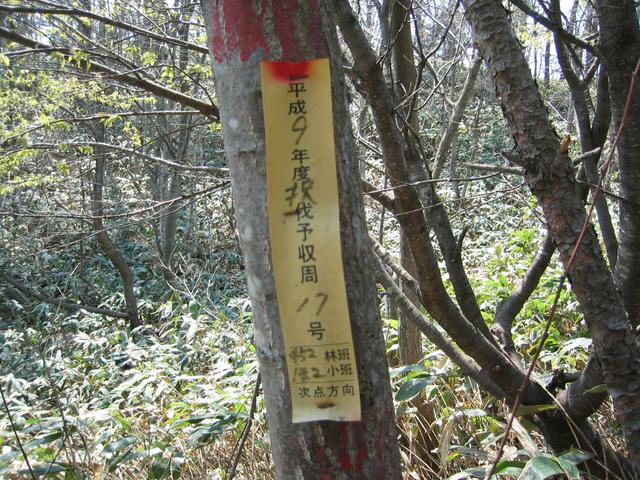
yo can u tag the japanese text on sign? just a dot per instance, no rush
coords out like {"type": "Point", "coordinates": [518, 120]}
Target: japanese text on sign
{"type": "Point", "coordinates": [302, 196]}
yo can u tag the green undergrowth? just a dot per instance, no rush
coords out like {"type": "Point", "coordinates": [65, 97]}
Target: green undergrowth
{"type": "Point", "coordinates": [89, 399]}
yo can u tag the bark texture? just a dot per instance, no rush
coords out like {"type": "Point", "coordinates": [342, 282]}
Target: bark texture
{"type": "Point", "coordinates": [241, 34]}
{"type": "Point", "coordinates": [551, 179]}
{"type": "Point", "coordinates": [620, 40]}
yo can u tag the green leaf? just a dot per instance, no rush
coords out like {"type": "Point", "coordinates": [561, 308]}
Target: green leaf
{"type": "Point", "coordinates": [474, 472]}
{"type": "Point", "coordinates": [41, 470]}
{"type": "Point", "coordinates": [7, 457]}
{"type": "Point", "coordinates": [524, 410]}
{"type": "Point", "coordinates": [509, 467]}
{"type": "Point", "coordinates": [541, 467]}
{"type": "Point", "coordinates": [598, 389]}
{"type": "Point", "coordinates": [570, 469]}
{"type": "Point", "coordinates": [4, 60]}
{"type": "Point", "coordinates": [43, 440]}
{"type": "Point", "coordinates": [412, 388]}
{"type": "Point", "coordinates": [193, 420]}
{"type": "Point", "coordinates": [575, 456]}
{"type": "Point", "coordinates": [149, 59]}
{"type": "Point", "coordinates": [474, 412]}
{"type": "Point", "coordinates": [124, 457]}
{"type": "Point", "coordinates": [394, 372]}
{"type": "Point", "coordinates": [166, 469]}
{"type": "Point", "coordinates": [121, 444]}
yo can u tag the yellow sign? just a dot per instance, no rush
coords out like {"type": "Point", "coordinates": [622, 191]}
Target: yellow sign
{"type": "Point", "coordinates": [302, 197]}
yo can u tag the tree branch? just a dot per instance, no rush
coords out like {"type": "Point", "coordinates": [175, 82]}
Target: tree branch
{"type": "Point", "coordinates": [413, 314]}
{"type": "Point", "coordinates": [77, 12]}
{"type": "Point", "coordinates": [385, 200]}
{"type": "Point", "coordinates": [545, 22]}
{"type": "Point", "coordinates": [506, 312]}
{"type": "Point", "coordinates": [128, 78]}
{"type": "Point", "coordinates": [456, 117]}
{"type": "Point", "coordinates": [62, 303]}
{"type": "Point", "coordinates": [131, 151]}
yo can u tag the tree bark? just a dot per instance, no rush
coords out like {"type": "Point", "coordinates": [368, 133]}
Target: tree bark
{"type": "Point", "coordinates": [241, 34]}
{"type": "Point", "coordinates": [550, 177]}
{"type": "Point", "coordinates": [620, 39]}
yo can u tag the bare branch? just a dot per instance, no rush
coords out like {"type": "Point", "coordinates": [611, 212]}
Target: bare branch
{"type": "Point", "coordinates": [128, 78]}
{"type": "Point", "coordinates": [545, 22]}
{"type": "Point", "coordinates": [137, 153]}
{"type": "Point", "coordinates": [77, 12]}
{"type": "Point", "coordinates": [456, 117]}
{"type": "Point", "coordinates": [411, 312]}
{"type": "Point", "coordinates": [62, 303]}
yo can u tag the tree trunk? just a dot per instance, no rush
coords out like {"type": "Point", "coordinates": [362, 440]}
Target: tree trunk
{"type": "Point", "coordinates": [620, 40]}
{"type": "Point", "coordinates": [405, 77]}
{"type": "Point", "coordinates": [102, 234]}
{"type": "Point", "coordinates": [241, 34]}
{"type": "Point", "coordinates": [550, 177]}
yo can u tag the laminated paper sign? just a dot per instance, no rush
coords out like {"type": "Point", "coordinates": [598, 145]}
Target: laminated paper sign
{"type": "Point", "coordinates": [302, 196]}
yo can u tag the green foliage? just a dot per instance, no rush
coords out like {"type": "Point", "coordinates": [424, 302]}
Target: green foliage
{"type": "Point", "coordinates": [539, 467]}
{"type": "Point", "coordinates": [86, 395]}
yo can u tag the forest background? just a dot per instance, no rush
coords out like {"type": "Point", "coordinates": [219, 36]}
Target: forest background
{"type": "Point", "coordinates": [126, 328]}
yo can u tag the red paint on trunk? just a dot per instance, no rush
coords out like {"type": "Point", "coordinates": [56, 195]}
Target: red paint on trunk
{"type": "Point", "coordinates": [287, 72]}
{"type": "Point", "coordinates": [345, 462]}
{"type": "Point", "coordinates": [284, 24]}
{"type": "Point", "coordinates": [363, 454]}
{"type": "Point", "coordinates": [315, 36]}
{"type": "Point", "coordinates": [290, 29]}
{"type": "Point", "coordinates": [240, 31]}
{"type": "Point", "coordinates": [217, 40]}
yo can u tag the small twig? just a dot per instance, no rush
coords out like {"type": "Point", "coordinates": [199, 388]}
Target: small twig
{"type": "Point", "coordinates": [15, 433]}
{"type": "Point", "coordinates": [237, 451]}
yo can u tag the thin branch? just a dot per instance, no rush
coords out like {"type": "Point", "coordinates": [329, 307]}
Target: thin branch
{"type": "Point", "coordinates": [379, 196]}
{"type": "Point", "coordinates": [467, 364]}
{"type": "Point", "coordinates": [62, 303]}
{"type": "Point", "coordinates": [127, 78]}
{"type": "Point", "coordinates": [15, 433]}
{"type": "Point", "coordinates": [77, 12]}
{"type": "Point", "coordinates": [99, 116]}
{"type": "Point", "coordinates": [165, 204]}
{"type": "Point", "coordinates": [237, 451]}
{"type": "Point", "coordinates": [506, 312]}
{"type": "Point", "coordinates": [131, 151]}
{"type": "Point", "coordinates": [544, 21]}
{"type": "Point", "coordinates": [493, 168]}
{"type": "Point", "coordinates": [396, 267]}
{"type": "Point", "coordinates": [456, 117]}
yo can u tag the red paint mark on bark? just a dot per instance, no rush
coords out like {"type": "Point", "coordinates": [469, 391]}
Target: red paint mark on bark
{"type": "Point", "coordinates": [286, 72]}
{"type": "Point", "coordinates": [362, 456]}
{"type": "Point", "coordinates": [286, 16]}
{"type": "Point", "coordinates": [316, 36]}
{"type": "Point", "coordinates": [240, 31]}
{"type": "Point", "coordinates": [284, 24]}
{"type": "Point", "coordinates": [217, 39]}
{"type": "Point", "coordinates": [345, 462]}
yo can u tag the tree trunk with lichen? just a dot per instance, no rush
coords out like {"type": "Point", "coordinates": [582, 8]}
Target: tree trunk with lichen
{"type": "Point", "coordinates": [241, 34]}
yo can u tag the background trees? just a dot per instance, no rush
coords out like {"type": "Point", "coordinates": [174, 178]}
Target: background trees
{"type": "Point", "coordinates": [108, 127]}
